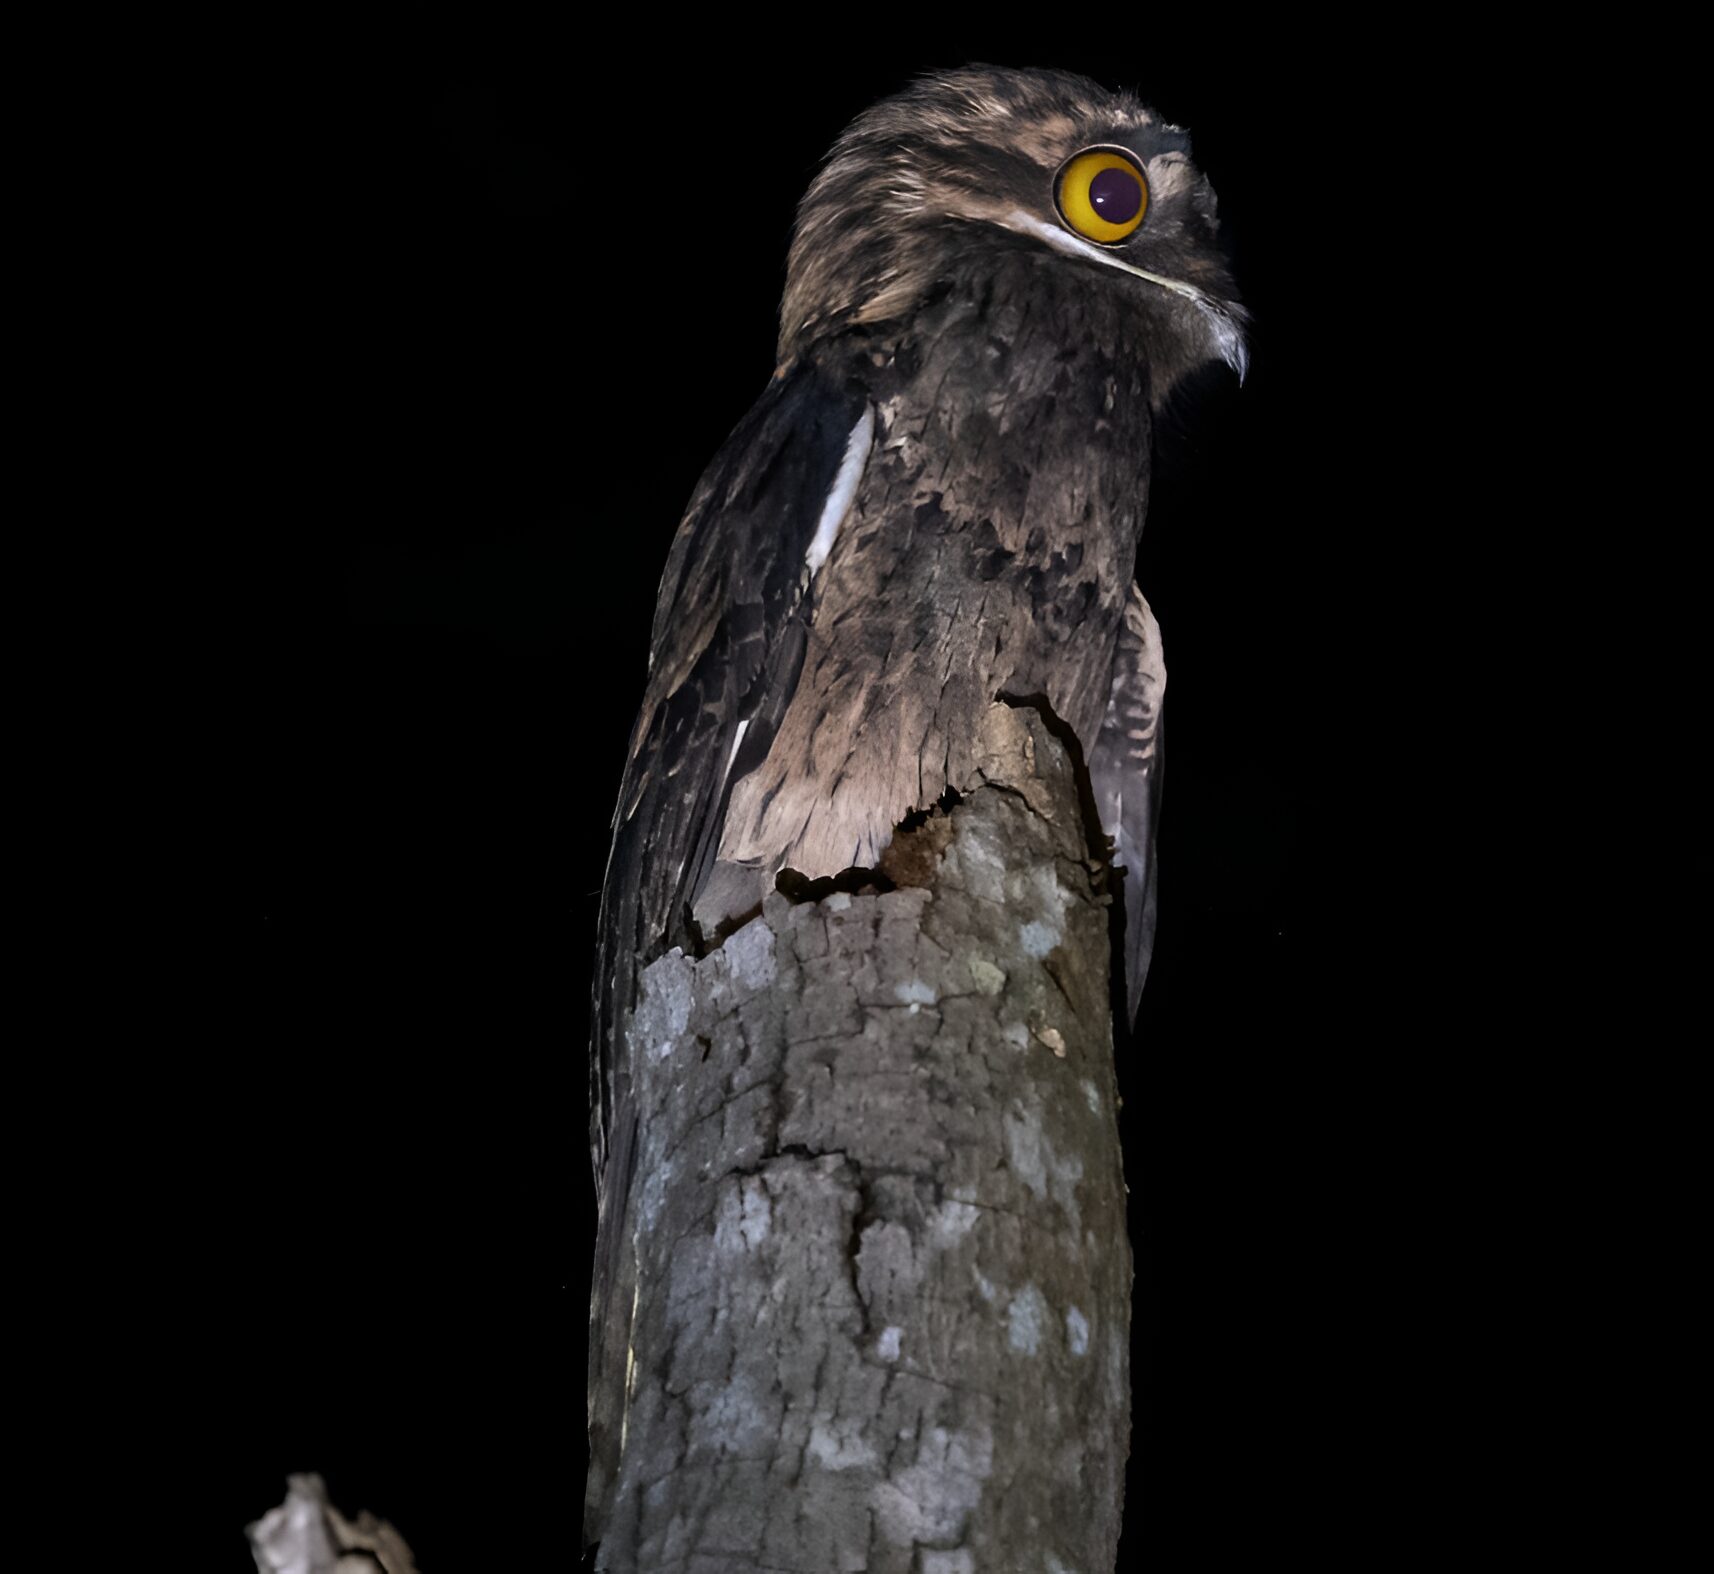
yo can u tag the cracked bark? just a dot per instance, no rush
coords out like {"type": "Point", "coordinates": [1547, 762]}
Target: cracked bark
{"type": "Point", "coordinates": [882, 1316]}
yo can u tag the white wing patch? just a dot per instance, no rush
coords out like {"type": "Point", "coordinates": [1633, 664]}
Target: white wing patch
{"type": "Point", "coordinates": [839, 500]}
{"type": "Point", "coordinates": [737, 743]}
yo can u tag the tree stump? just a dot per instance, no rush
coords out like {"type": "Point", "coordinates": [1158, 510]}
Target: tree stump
{"type": "Point", "coordinates": [882, 1308]}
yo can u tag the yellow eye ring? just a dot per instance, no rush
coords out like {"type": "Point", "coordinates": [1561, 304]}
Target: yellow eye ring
{"type": "Point", "coordinates": [1102, 206]}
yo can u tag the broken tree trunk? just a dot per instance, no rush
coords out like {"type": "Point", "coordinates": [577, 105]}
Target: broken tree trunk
{"type": "Point", "coordinates": [882, 1310]}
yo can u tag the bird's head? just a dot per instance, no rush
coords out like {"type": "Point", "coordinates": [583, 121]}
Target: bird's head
{"type": "Point", "coordinates": [989, 161]}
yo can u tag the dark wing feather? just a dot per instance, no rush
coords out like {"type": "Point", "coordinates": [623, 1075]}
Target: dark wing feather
{"type": "Point", "coordinates": [727, 648]}
{"type": "Point", "coordinates": [1125, 773]}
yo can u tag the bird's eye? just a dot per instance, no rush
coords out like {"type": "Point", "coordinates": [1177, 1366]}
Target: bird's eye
{"type": "Point", "coordinates": [1102, 195]}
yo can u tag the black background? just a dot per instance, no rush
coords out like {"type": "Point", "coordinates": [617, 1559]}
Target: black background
{"type": "Point", "coordinates": [483, 314]}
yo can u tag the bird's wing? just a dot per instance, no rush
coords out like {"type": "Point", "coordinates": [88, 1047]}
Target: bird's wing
{"type": "Point", "coordinates": [1125, 773]}
{"type": "Point", "coordinates": [727, 647]}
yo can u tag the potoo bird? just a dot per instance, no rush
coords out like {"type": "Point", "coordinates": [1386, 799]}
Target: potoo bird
{"type": "Point", "coordinates": [994, 283]}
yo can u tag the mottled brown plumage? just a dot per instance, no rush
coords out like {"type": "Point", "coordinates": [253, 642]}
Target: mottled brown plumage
{"type": "Point", "coordinates": [937, 500]}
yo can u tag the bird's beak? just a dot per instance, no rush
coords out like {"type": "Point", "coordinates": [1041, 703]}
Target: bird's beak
{"type": "Point", "coordinates": [1225, 320]}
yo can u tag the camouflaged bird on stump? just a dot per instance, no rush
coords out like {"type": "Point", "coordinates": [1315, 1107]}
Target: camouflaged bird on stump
{"type": "Point", "coordinates": [861, 1292]}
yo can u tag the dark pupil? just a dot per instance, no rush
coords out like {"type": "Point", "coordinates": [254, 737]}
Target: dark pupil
{"type": "Point", "coordinates": [1116, 195]}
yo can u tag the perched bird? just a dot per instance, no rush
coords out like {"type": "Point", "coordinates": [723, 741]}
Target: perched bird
{"type": "Point", "coordinates": [995, 282]}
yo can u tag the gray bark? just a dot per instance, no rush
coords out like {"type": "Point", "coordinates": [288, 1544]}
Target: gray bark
{"type": "Point", "coordinates": [882, 1314]}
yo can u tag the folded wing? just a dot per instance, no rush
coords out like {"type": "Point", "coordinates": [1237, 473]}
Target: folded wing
{"type": "Point", "coordinates": [1125, 773]}
{"type": "Point", "coordinates": [727, 646]}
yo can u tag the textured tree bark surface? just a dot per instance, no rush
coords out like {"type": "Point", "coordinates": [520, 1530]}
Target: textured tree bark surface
{"type": "Point", "coordinates": [882, 1316]}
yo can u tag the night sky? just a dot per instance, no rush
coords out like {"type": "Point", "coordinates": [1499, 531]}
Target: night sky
{"type": "Point", "coordinates": [490, 316]}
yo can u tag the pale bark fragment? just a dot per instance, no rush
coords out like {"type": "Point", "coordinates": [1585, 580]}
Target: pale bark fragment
{"type": "Point", "coordinates": [307, 1535]}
